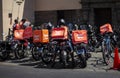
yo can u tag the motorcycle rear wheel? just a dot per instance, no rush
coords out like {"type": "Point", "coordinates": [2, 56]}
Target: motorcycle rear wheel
{"type": "Point", "coordinates": [83, 61]}
{"type": "Point", "coordinates": [35, 54]}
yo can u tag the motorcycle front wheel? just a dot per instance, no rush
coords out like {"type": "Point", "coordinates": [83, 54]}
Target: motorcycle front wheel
{"type": "Point", "coordinates": [4, 55]}
{"type": "Point", "coordinates": [19, 52]}
{"type": "Point", "coordinates": [35, 54]}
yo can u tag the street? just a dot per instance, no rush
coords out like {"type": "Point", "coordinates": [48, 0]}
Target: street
{"type": "Point", "coordinates": [27, 68]}
{"type": "Point", "coordinates": [12, 71]}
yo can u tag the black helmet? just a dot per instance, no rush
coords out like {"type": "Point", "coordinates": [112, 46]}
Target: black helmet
{"type": "Point", "coordinates": [49, 25]}
{"type": "Point", "coordinates": [16, 21]}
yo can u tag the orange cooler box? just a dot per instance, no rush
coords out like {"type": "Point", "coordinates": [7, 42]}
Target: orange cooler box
{"type": "Point", "coordinates": [106, 28]}
{"type": "Point", "coordinates": [79, 36]}
{"type": "Point", "coordinates": [59, 33]}
{"type": "Point", "coordinates": [41, 36]}
{"type": "Point", "coordinates": [18, 34]}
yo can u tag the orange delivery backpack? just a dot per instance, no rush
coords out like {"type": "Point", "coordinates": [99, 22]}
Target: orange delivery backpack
{"type": "Point", "coordinates": [59, 33]}
{"type": "Point", "coordinates": [79, 36]}
{"type": "Point", "coordinates": [105, 28]}
{"type": "Point", "coordinates": [41, 36]}
{"type": "Point", "coordinates": [18, 34]}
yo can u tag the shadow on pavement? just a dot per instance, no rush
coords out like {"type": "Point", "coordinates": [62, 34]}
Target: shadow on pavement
{"type": "Point", "coordinates": [94, 63]}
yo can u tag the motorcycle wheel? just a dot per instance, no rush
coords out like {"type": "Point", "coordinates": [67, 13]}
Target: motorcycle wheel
{"type": "Point", "coordinates": [73, 61]}
{"type": "Point", "coordinates": [35, 54]}
{"type": "Point", "coordinates": [83, 62]}
{"type": "Point", "coordinates": [46, 56]}
{"type": "Point", "coordinates": [64, 58]}
{"type": "Point", "coordinates": [19, 52]}
{"type": "Point", "coordinates": [3, 55]}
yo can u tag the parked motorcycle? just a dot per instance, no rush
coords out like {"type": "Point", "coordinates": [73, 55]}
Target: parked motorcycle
{"type": "Point", "coordinates": [6, 46]}
{"type": "Point", "coordinates": [41, 44]}
{"type": "Point", "coordinates": [80, 40]}
{"type": "Point", "coordinates": [61, 46]}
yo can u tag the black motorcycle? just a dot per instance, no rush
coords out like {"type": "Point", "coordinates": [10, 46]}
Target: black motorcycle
{"type": "Point", "coordinates": [81, 54]}
{"type": "Point", "coordinates": [61, 53]}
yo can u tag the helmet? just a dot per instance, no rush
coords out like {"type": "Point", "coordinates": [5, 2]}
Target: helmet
{"type": "Point", "coordinates": [62, 22]}
{"type": "Point", "coordinates": [50, 24]}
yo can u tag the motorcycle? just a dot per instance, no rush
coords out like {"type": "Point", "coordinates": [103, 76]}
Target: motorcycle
{"type": "Point", "coordinates": [61, 51]}
{"type": "Point", "coordinates": [61, 46]}
{"type": "Point", "coordinates": [80, 43]}
{"type": "Point", "coordinates": [6, 46]}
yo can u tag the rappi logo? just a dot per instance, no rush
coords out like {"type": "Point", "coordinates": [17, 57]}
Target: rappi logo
{"type": "Point", "coordinates": [80, 36]}
{"type": "Point", "coordinates": [58, 32]}
{"type": "Point", "coordinates": [105, 28]}
{"type": "Point", "coordinates": [36, 37]}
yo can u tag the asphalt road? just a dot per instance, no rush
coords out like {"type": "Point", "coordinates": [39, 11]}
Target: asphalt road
{"type": "Point", "coordinates": [27, 68]}
{"type": "Point", "coordinates": [14, 71]}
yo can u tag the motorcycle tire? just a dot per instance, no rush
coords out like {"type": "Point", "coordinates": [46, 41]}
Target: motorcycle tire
{"type": "Point", "coordinates": [46, 56]}
{"type": "Point", "coordinates": [35, 54]}
{"type": "Point", "coordinates": [83, 61]}
{"type": "Point", "coordinates": [19, 52]}
{"type": "Point", "coordinates": [73, 61]}
{"type": "Point", "coordinates": [4, 55]}
{"type": "Point", "coordinates": [64, 58]}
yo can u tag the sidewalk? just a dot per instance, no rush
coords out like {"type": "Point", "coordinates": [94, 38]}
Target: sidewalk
{"type": "Point", "coordinates": [95, 63]}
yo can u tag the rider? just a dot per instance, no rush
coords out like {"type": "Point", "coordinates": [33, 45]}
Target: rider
{"type": "Point", "coordinates": [62, 23]}
{"type": "Point", "coordinates": [26, 23]}
{"type": "Point", "coordinates": [49, 26]}
{"type": "Point", "coordinates": [88, 28]}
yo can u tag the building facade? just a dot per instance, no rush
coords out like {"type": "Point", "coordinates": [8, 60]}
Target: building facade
{"type": "Point", "coordinates": [99, 12]}
{"type": "Point", "coordinates": [94, 12]}
{"type": "Point", "coordinates": [14, 9]}
{"type": "Point", "coordinates": [53, 10]}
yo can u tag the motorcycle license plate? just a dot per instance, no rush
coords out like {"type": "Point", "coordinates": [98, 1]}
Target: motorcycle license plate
{"type": "Point", "coordinates": [40, 50]}
{"type": "Point", "coordinates": [80, 51]}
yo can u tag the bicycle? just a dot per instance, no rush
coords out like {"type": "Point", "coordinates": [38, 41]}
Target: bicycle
{"type": "Point", "coordinates": [107, 49]}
